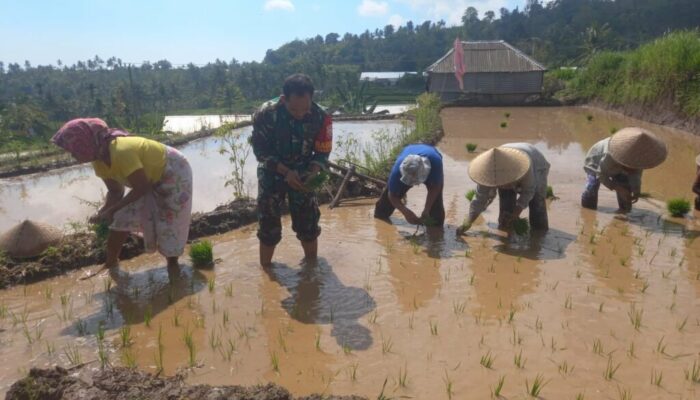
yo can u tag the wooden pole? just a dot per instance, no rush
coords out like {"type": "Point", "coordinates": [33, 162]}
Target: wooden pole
{"type": "Point", "coordinates": [378, 182]}
{"type": "Point", "coordinates": [341, 190]}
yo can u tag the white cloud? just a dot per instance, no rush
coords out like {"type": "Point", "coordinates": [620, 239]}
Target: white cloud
{"type": "Point", "coordinates": [451, 11]}
{"type": "Point", "coordinates": [396, 20]}
{"type": "Point", "coordinates": [372, 8]}
{"type": "Point", "coordinates": [284, 5]}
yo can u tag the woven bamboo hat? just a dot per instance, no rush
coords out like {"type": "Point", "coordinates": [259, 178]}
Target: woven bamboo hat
{"type": "Point", "coordinates": [499, 166]}
{"type": "Point", "coordinates": [637, 148]}
{"type": "Point", "coordinates": [29, 239]}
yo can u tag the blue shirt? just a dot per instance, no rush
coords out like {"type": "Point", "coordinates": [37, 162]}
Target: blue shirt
{"type": "Point", "coordinates": [434, 178]}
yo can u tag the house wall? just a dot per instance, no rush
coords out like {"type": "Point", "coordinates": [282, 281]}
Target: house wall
{"type": "Point", "coordinates": [489, 83]}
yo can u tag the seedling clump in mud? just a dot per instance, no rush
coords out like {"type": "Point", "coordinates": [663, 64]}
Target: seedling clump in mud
{"type": "Point", "coordinates": [317, 181]}
{"type": "Point", "coordinates": [201, 254]}
{"type": "Point", "coordinates": [521, 226]}
{"type": "Point", "coordinates": [678, 207]}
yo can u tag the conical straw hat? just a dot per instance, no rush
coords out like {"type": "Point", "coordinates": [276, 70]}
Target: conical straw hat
{"type": "Point", "coordinates": [499, 166]}
{"type": "Point", "coordinates": [697, 160]}
{"type": "Point", "coordinates": [29, 239]}
{"type": "Point", "coordinates": [637, 148]}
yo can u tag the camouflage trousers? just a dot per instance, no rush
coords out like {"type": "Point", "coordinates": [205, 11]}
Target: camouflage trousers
{"type": "Point", "coordinates": [303, 207]}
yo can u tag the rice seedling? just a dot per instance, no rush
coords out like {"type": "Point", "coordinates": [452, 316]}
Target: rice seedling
{"type": "Point", "coordinates": [448, 385]}
{"type": "Point", "coordinates": [73, 354]}
{"type": "Point", "coordinates": [227, 353]}
{"type": "Point", "coordinates": [472, 277]}
{"type": "Point", "coordinates": [129, 359]}
{"type": "Point", "coordinates": [613, 130]}
{"type": "Point", "coordinates": [48, 293]}
{"type": "Point", "coordinates": [275, 361]}
{"type": "Point", "coordinates": [3, 311]}
{"type": "Point", "coordinates": [681, 325]}
{"type": "Point", "coordinates": [580, 396]}
{"type": "Point", "coordinates": [147, 316]}
{"type": "Point", "coordinates": [347, 350]}
{"type": "Point", "coordinates": [487, 360]}
{"type": "Point", "coordinates": [517, 339]}
{"type": "Point", "coordinates": [66, 307]}
{"type": "Point", "coordinates": [382, 396]}
{"type": "Point", "coordinates": [50, 349]}
{"type": "Point", "coordinates": [519, 361]}
{"type": "Point", "coordinates": [387, 345]}
{"type": "Point", "coordinates": [318, 340]}
{"type": "Point", "coordinates": [458, 307]}
{"type": "Point", "coordinates": [598, 347]}
{"type": "Point", "coordinates": [537, 385]}
{"type": "Point", "coordinates": [661, 346]}
{"type": "Point", "coordinates": [403, 376]}
{"type": "Point", "coordinates": [372, 318]}
{"type": "Point", "coordinates": [352, 372]}
{"type": "Point", "coordinates": [316, 182]}
{"type": "Point", "coordinates": [610, 369]}
{"type": "Point", "coordinates": [568, 303]}
{"type": "Point", "coordinates": [201, 254]}
{"type": "Point", "coordinates": [107, 284]}
{"type": "Point", "coordinates": [521, 226]}
{"type": "Point", "coordinates": [692, 374]}
{"type": "Point", "coordinates": [504, 124]}
{"type": "Point", "coordinates": [635, 317]}
{"type": "Point", "coordinates": [125, 335]}
{"type": "Point", "coordinates": [228, 290]}
{"type": "Point", "coordinates": [657, 377]}
{"type": "Point", "coordinates": [191, 348]}
{"type": "Point", "coordinates": [511, 315]}
{"type": "Point", "coordinates": [160, 350]}
{"type": "Point", "coordinates": [538, 324]}
{"type": "Point", "coordinates": [496, 390]}
{"type": "Point", "coordinates": [471, 147]}
{"type": "Point", "coordinates": [506, 114]}
{"type": "Point", "coordinates": [589, 117]}
{"type": "Point", "coordinates": [678, 207]}
{"type": "Point", "coordinates": [433, 328]}
{"type": "Point", "coordinates": [645, 286]}
{"type": "Point", "coordinates": [81, 327]}
{"type": "Point", "coordinates": [211, 284]}
{"type": "Point", "coordinates": [565, 368]}
{"type": "Point", "coordinates": [215, 339]}
{"type": "Point", "coordinates": [631, 351]}
{"type": "Point", "coordinates": [624, 393]}
{"type": "Point", "coordinates": [600, 307]}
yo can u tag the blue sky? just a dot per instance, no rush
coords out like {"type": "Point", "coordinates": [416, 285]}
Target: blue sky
{"type": "Point", "coordinates": [43, 31]}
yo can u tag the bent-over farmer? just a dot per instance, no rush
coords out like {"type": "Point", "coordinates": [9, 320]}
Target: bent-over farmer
{"type": "Point", "coordinates": [159, 202]}
{"type": "Point", "coordinates": [292, 139]}
{"type": "Point", "coordinates": [617, 163]}
{"type": "Point", "coordinates": [517, 173]}
{"type": "Point", "coordinates": [417, 164]}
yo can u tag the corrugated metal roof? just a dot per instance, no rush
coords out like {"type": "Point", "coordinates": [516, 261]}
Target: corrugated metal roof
{"type": "Point", "coordinates": [492, 56]}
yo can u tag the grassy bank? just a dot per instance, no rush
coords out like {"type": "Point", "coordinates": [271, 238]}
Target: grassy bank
{"type": "Point", "coordinates": [378, 157]}
{"type": "Point", "coordinates": [661, 73]}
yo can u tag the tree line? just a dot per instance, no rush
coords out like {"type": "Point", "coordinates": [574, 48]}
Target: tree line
{"type": "Point", "coordinates": [35, 99]}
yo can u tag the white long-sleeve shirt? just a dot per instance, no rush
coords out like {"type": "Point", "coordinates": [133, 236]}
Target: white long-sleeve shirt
{"type": "Point", "coordinates": [534, 181]}
{"type": "Point", "coordinates": [599, 163]}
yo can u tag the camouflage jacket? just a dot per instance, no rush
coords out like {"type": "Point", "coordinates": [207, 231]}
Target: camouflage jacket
{"type": "Point", "coordinates": [279, 138]}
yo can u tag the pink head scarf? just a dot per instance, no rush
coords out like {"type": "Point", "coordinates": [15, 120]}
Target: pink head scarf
{"type": "Point", "coordinates": [83, 137]}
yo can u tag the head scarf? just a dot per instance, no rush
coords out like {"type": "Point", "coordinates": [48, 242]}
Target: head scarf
{"type": "Point", "coordinates": [84, 137]}
{"type": "Point", "coordinates": [414, 170]}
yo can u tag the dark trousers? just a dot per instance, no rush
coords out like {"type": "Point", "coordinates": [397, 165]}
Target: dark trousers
{"type": "Point", "coordinates": [538, 209]}
{"type": "Point", "coordinates": [383, 208]}
{"type": "Point", "coordinates": [589, 198]}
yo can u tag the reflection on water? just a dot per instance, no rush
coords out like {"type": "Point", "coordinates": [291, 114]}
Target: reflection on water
{"type": "Point", "coordinates": [387, 300]}
{"type": "Point", "coordinates": [60, 196]}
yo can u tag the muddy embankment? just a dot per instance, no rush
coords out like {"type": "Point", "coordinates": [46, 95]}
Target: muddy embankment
{"type": "Point", "coordinates": [126, 384]}
{"type": "Point", "coordinates": [50, 160]}
{"type": "Point", "coordinates": [82, 249]}
{"type": "Point", "coordinates": [663, 113]}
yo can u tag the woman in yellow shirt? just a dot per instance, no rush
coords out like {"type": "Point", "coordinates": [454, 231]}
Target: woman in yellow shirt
{"type": "Point", "coordinates": [159, 203]}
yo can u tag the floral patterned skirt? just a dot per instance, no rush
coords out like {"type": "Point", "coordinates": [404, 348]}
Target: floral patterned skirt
{"type": "Point", "coordinates": [163, 215]}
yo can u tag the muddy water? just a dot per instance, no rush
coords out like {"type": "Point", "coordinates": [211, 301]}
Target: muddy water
{"type": "Point", "coordinates": [59, 197]}
{"type": "Point", "coordinates": [418, 310]}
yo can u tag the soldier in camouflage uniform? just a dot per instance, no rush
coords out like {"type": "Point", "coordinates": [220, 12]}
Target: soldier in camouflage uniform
{"type": "Point", "coordinates": [292, 139]}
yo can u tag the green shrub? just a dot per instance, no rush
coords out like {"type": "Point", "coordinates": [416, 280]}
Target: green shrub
{"type": "Point", "coordinates": [521, 226]}
{"type": "Point", "coordinates": [471, 147]}
{"type": "Point", "coordinates": [678, 207]}
{"type": "Point", "coordinates": [201, 254]}
{"type": "Point", "coordinates": [470, 194]}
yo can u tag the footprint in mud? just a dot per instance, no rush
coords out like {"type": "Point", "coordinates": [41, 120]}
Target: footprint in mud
{"type": "Point", "coordinates": [317, 296]}
{"type": "Point", "coordinates": [152, 290]}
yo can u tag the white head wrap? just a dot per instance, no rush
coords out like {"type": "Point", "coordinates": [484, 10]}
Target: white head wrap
{"type": "Point", "coordinates": [414, 170]}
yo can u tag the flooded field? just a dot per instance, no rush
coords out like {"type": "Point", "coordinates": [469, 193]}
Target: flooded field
{"type": "Point", "coordinates": [61, 196]}
{"type": "Point", "coordinates": [602, 305]}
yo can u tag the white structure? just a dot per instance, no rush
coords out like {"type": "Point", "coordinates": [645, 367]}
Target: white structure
{"type": "Point", "coordinates": [390, 78]}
